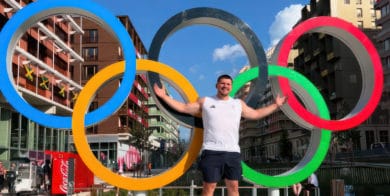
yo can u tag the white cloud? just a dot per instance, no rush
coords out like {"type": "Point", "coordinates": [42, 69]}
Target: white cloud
{"type": "Point", "coordinates": [201, 77]}
{"type": "Point", "coordinates": [193, 69]}
{"type": "Point", "coordinates": [228, 52]}
{"type": "Point", "coordinates": [284, 21]}
{"type": "Point", "coordinates": [234, 72]}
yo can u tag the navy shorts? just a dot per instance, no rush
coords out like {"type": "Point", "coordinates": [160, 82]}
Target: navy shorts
{"type": "Point", "coordinates": [217, 165]}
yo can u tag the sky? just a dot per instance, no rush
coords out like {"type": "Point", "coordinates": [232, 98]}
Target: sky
{"type": "Point", "coordinates": [202, 52]}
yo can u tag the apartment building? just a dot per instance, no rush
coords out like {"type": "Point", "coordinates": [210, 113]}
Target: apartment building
{"type": "Point", "coordinates": [383, 42]}
{"type": "Point", "coordinates": [331, 66]}
{"type": "Point", "coordinates": [334, 69]}
{"type": "Point", "coordinates": [51, 63]}
{"type": "Point", "coordinates": [113, 138]}
{"type": "Point", "coordinates": [41, 66]}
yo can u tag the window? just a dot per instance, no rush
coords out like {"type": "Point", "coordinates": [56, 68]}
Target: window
{"type": "Point", "coordinates": [387, 80]}
{"type": "Point", "coordinates": [385, 10]}
{"type": "Point", "coordinates": [387, 64]}
{"type": "Point", "coordinates": [359, 12]}
{"type": "Point", "coordinates": [41, 141]}
{"type": "Point", "coordinates": [387, 45]}
{"type": "Point", "coordinates": [369, 138]}
{"type": "Point", "coordinates": [89, 71]}
{"type": "Point", "coordinates": [346, 2]}
{"type": "Point", "coordinates": [120, 53]}
{"type": "Point", "coordinates": [90, 53]}
{"type": "Point", "coordinates": [373, 14]}
{"type": "Point", "coordinates": [384, 136]}
{"type": "Point", "coordinates": [15, 129]}
{"type": "Point", "coordinates": [48, 139]}
{"type": "Point", "coordinates": [91, 36]}
{"type": "Point", "coordinates": [360, 24]}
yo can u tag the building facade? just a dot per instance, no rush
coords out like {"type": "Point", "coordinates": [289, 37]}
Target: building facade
{"type": "Point", "coordinates": [41, 67]}
{"type": "Point", "coordinates": [331, 66]}
{"type": "Point", "coordinates": [51, 63]}
{"type": "Point", "coordinates": [383, 42]}
{"type": "Point", "coordinates": [112, 138]}
{"type": "Point", "coordinates": [164, 138]}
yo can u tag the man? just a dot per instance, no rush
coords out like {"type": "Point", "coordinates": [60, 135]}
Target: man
{"type": "Point", "coordinates": [312, 184]}
{"type": "Point", "coordinates": [221, 116]}
{"type": "Point", "coordinates": [11, 177]}
{"type": "Point", "coordinates": [47, 175]}
{"type": "Point", "coordinates": [2, 176]}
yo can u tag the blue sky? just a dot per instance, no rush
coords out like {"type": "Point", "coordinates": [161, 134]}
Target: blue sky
{"type": "Point", "coordinates": [202, 52]}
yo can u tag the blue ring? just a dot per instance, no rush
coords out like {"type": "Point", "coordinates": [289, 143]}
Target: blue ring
{"type": "Point", "coordinates": [89, 8]}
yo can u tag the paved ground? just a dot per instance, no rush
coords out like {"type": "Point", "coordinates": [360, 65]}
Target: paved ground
{"type": "Point", "coordinates": [5, 192]}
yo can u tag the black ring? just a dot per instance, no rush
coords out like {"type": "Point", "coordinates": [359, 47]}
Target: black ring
{"type": "Point", "coordinates": [226, 21]}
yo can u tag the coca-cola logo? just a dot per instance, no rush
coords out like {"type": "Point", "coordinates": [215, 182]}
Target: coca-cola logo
{"type": "Point", "coordinates": [64, 169]}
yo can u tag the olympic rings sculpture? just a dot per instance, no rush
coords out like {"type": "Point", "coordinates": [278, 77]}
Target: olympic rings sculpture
{"type": "Point", "coordinates": [280, 78]}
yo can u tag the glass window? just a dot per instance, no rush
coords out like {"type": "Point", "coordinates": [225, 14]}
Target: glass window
{"type": "Point", "coordinates": [15, 130]}
{"type": "Point", "coordinates": [360, 24]}
{"type": "Point", "coordinates": [387, 44]}
{"type": "Point", "coordinates": [41, 141]}
{"type": "Point", "coordinates": [55, 140]}
{"type": "Point", "coordinates": [383, 11]}
{"type": "Point", "coordinates": [373, 13]}
{"type": "Point", "coordinates": [387, 62]}
{"type": "Point", "coordinates": [23, 132]}
{"type": "Point", "coordinates": [90, 53]}
{"type": "Point", "coordinates": [387, 80]}
{"type": "Point", "coordinates": [91, 36]}
{"type": "Point", "coordinates": [359, 12]}
{"type": "Point", "coordinates": [48, 139]}
{"type": "Point", "coordinates": [89, 71]}
{"type": "Point", "coordinates": [346, 2]}
{"type": "Point", "coordinates": [369, 138]}
{"type": "Point", "coordinates": [384, 136]}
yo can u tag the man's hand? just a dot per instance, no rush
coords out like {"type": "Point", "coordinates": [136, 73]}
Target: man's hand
{"type": "Point", "coordinates": [280, 100]}
{"type": "Point", "coordinates": [160, 92]}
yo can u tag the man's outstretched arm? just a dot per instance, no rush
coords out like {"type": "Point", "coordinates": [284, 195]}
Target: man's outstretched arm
{"type": "Point", "coordinates": [187, 108]}
{"type": "Point", "coordinates": [254, 114]}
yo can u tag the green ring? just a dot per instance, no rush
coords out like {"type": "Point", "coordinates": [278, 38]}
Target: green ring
{"type": "Point", "coordinates": [290, 177]}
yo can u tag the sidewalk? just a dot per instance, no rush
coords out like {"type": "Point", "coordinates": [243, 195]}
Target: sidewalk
{"type": "Point", "coordinates": [5, 192]}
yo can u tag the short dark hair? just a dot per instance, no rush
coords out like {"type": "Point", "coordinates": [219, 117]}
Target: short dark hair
{"type": "Point", "coordinates": [224, 76]}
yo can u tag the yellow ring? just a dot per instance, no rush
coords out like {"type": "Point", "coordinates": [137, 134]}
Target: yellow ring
{"type": "Point", "coordinates": [84, 149]}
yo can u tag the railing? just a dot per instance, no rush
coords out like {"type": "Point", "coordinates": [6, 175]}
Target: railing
{"type": "Point", "coordinates": [191, 190]}
{"type": "Point", "coordinates": [357, 178]}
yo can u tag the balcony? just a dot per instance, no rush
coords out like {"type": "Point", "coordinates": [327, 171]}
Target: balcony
{"type": "Point", "coordinates": [378, 4]}
{"type": "Point", "coordinates": [382, 20]}
{"type": "Point", "coordinates": [46, 67]}
{"type": "Point", "coordinates": [15, 5]}
{"type": "Point", "coordinates": [140, 89]}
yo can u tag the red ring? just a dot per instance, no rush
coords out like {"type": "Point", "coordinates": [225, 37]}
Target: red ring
{"type": "Point", "coordinates": [335, 125]}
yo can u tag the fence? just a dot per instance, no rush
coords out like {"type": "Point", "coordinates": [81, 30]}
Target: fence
{"type": "Point", "coordinates": [354, 178]}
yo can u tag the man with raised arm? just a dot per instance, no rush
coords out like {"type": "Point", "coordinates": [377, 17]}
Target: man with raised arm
{"type": "Point", "coordinates": [221, 114]}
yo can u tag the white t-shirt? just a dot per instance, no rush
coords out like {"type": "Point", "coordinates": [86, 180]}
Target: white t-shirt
{"type": "Point", "coordinates": [221, 122]}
